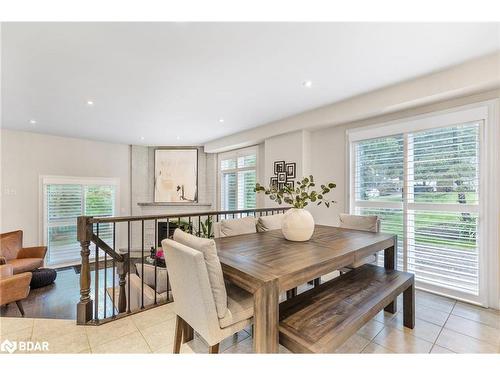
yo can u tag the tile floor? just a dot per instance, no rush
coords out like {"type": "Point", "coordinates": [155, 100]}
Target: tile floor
{"type": "Point", "coordinates": [442, 326]}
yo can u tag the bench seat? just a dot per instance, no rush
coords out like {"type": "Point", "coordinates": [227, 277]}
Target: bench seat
{"type": "Point", "coordinates": [321, 319]}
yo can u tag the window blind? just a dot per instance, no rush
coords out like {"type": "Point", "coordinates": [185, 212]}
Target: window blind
{"type": "Point", "coordinates": [64, 203]}
{"type": "Point", "coordinates": [443, 182]}
{"type": "Point", "coordinates": [238, 177]}
{"type": "Point", "coordinates": [424, 186]}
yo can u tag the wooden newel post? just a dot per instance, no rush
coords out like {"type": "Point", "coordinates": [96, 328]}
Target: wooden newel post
{"type": "Point", "coordinates": [122, 269]}
{"type": "Point", "coordinates": [84, 308]}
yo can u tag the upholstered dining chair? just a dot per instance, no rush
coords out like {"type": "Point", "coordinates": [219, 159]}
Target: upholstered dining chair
{"type": "Point", "coordinates": [269, 222]}
{"type": "Point", "coordinates": [22, 259]}
{"type": "Point", "coordinates": [13, 288]}
{"type": "Point", "coordinates": [235, 227]}
{"type": "Point", "coordinates": [202, 301]}
{"type": "Point", "coordinates": [361, 222]}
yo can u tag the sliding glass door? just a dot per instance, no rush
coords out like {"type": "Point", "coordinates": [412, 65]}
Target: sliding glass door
{"type": "Point", "coordinates": [424, 185]}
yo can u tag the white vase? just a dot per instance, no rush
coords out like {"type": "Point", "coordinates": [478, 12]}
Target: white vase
{"type": "Point", "coordinates": [298, 225]}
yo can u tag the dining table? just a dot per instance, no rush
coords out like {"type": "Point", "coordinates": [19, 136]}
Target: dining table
{"type": "Point", "coordinates": [266, 265]}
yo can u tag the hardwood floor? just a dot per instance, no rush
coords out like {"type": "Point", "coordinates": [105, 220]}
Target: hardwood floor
{"type": "Point", "coordinates": [58, 301]}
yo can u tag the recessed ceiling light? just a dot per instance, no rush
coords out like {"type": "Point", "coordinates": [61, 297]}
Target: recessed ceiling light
{"type": "Point", "coordinates": [142, 138]}
{"type": "Point", "coordinates": [178, 137]}
{"type": "Point", "coordinates": [308, 84]}
{"type": "Point", "coordinates": [32, 122]}
{"type": "Point", "coordinates": [221, 120]}
{"type": "Point", "coordinates": [90, 102]}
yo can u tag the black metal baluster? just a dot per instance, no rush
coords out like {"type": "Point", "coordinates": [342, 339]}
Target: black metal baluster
{"type": "Point", "coordinates": [156, 250]}
{"type": "Point", "coordinates": [199, 226]}
{"type": "Point", "coordinates": [142, 264]}
{"type": "Point", "coordinates": [190, 226]}
{"type": "Point", "coordinates": [114, 265]}
{"type": "Point", "coordinates": [128, 268]}
{"type": "Point", "coordinates": [105, 281]}
{"type": "Point", "coordinates": [96, 272]}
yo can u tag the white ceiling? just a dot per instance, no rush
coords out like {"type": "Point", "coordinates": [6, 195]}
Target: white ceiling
{"type": "Point", "coordinates": [171, 82]}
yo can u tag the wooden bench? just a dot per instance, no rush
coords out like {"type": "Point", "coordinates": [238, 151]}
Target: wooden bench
{"type": "Point", "coordinates": [321, 319]}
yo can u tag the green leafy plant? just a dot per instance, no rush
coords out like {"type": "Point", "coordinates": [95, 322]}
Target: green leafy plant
{"type": "Point", "coordinates": [206, 228]}
{"type": "Point", "coordinates": [301, 195]}
{"type": "Point", "coordinates": [185, 226]}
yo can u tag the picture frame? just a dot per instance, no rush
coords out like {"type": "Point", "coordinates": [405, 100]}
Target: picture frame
{"type": "Point", "coordinates": [279, 167]}
{"type": "Point", "coordinates": [290, 184]}
{"type": "Point", "coordinates": [281, 177]}
{"type": "Point", "coordinates": [273, 182]}
{"type": "Point", "coordinates": [290, 170]}
{"type": "Point", "coordinates": [175, 175]}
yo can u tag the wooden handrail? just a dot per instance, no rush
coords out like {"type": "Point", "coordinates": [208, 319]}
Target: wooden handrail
{"type": "Point", "coordinates": [120, 219]}
{"type": "Point", "coordinates": [107, 249]}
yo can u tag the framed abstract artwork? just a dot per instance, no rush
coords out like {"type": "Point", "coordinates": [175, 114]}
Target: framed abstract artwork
{"type": "Point", "coordinates": [176, 175]}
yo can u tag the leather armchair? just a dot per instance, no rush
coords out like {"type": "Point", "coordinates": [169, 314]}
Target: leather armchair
{"type": "Point", "coordinates": [22, 259]}
{"type": "Point", "coordinates": [13, 288]}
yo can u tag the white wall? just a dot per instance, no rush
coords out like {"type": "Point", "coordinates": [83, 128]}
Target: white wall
{"type": "Point", "coordinates": [27, 156]}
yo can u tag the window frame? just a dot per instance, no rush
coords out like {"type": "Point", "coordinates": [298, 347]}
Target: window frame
{"type": "Point", "coordinates": [45, 180]}
{"type": "Point", "coordinates": [234, 154]}
{"type": "Point", "coordinates": [488, 203]}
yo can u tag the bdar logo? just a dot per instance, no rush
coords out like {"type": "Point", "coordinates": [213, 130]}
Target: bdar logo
{"type": "Point", "coordinates": [8, 346]}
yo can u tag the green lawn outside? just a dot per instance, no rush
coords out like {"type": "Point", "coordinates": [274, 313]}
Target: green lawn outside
{"type": "Point", "coordinates": [458, 231]}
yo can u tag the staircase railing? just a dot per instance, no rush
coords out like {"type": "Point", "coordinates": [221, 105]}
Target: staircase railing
{"type": "Point", "coordinates": [118, 246]}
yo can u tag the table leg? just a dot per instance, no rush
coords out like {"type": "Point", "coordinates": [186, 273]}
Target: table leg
{"type": "Point", "coordinates": [390, 263]}
{"type": "Point", "coordinates": [266, 318]}
{"type": "Point", "coordinates": [409, 307]}
{"type": "Point", "coordinates": [187, 333]}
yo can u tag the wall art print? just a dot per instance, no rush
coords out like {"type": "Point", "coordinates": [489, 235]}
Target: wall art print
{"type": "Point", "coordinates": [176, 175]}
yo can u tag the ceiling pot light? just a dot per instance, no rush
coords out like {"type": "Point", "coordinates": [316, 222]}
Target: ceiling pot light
{"type": "Point", "coordinates": [307, 84]}
{"type": "Point", "coordinates": [90, 102]}
{"type": "Point", "coordinates": [178, 137]}
{"type": "Point", "coordinates": [221, 120]}
{"type": "Point", "coordinates": [33, 122]}
{"type": "Point", "coordinates": [142, 138]}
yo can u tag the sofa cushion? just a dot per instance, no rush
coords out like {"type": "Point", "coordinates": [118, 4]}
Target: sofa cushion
{"type": "Point", "coordinates": [136, 294]}
{"type": "Point", "coordinates": [10, 244]}
{"type": "Point", "coordinates": [239, 306]}
{"type": "Point", "coordinates": [149, 277]}
{"type": "Point", "coordinates": [25, 264]}
{"type": "Point", "coordinates": [215, 276]}
{"type": "Point", "coordinates": [359, 222]}
{"type": "Point", "coordinates": [6, 271]}
{"type": "Point", "coordinates": [236, 227]}
{"type": "Point", "coordinates": [271, 222]}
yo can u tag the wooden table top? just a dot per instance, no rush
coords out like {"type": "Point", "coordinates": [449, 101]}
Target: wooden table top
{"type": "Point", "coordinates": [263, 257]}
